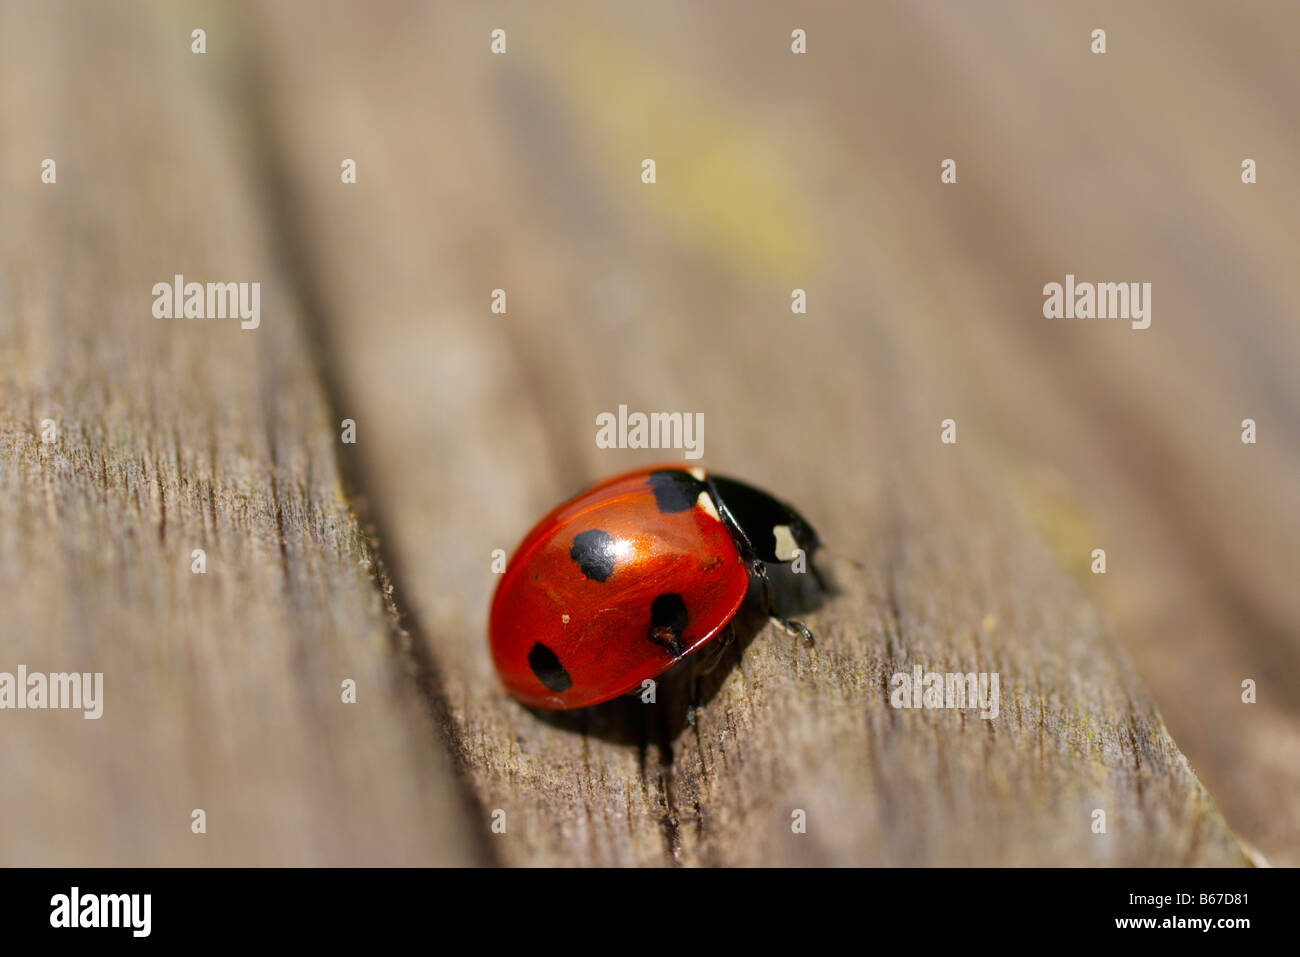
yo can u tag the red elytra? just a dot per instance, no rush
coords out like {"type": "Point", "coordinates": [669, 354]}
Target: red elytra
{"type": "Point", "coordinates": [621, 582]}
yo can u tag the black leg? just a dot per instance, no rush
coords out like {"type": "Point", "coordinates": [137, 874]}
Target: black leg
{"type": "Point", "coordinates": [704, 666]}
{"type": "Point", "coordinates": [791, 626]}
{"type": "Point", "coordinates": [760, 569]}
{"type": "Point", "coordinates": [797, 628]}
{"type": "Point", "coordinates": [707, 665]}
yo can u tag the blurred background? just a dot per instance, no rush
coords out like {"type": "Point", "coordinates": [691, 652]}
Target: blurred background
{"type": "Point", "coordinates": [775, 171]}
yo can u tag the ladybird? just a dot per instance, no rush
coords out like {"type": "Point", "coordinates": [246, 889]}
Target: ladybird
{"type": "Point", "coordinates": [622, 582]}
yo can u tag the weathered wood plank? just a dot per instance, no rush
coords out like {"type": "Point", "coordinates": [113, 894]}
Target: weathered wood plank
{"type": "Point", "coordinates": [522, 173]}
{"type": "Point", "coordinates": [1107, 168]}
{"type": "Point", "coordinates": [221, 691]}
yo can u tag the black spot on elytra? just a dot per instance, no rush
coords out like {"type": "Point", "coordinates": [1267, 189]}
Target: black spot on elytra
{"type": "Point", "coordinates": [593, 550]}
{"type": "Point", "coordinates": [548, 669]}
{"type": "Point", "coordinates": [668, 620]}
{"type": "Point", "coordinates": [675, 490]}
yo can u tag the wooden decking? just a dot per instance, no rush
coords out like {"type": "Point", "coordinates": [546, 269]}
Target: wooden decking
{"type": "Point", "coordinates": [371, 561]}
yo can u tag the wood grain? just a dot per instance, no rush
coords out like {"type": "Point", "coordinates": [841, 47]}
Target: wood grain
{"type": "Point", "coordinates": [222, 691]}
{"type": "Point", "coordinates": [522, 172]}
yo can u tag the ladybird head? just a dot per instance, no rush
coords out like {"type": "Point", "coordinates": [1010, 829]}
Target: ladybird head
{"type": "Point", "coordinates": [771, 529]}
